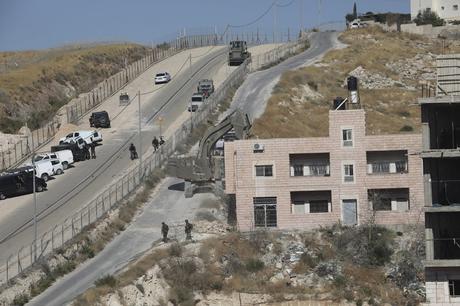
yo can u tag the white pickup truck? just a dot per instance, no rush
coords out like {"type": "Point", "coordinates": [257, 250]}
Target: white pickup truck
{"type": "Point", "coordinates": [65, 156]}
{"type": "Point", "coordinates": [88, 136]}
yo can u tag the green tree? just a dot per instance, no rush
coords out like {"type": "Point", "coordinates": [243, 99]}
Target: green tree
{"type": "Point", "coordinates": [429, 17]}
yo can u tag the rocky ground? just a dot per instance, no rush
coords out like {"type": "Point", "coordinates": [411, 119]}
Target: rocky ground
{"type": "Point", "coordinates": [390, 67]}
{"type": "Point", "coordinates": [366, 265]}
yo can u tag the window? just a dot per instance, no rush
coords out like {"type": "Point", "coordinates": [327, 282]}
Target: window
{"type": "Point", "coordinates": [455, 7]}
{"type": "Point", "coordinates": [319, 206]}
{"type": "Point", "coordinates": [348, 174]}
{"type": "Point", "coordinates": [381, 204]}
{"type": "Point", "coordinates": [298, 170]}
{"type": "Point", "coordinates": [347, 137]}
{"type": "Point", "coordinates": [265, 212]}
{"type": "Point", "coordinates": [264, 170]}
{"type": "Point", "coordinates": [454, 287]}
{"type": "Point", "coordinates": [298, 207]}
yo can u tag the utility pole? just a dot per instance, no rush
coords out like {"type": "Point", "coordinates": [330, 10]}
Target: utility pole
{"type": "Point", "coordinates": [319, 12]}
{"type": "Point", "coordinates": [34, 172]}
{"type": "Point", "coordinates": [140, 135]}
{"type": "Point", "coordinates": [191, 105]}
{"type": "Point", "coordinates": [301, 14]}
{"type": "Point", "coordinates": [274, 23]}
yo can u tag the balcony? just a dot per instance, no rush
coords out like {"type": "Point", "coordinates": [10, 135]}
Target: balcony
{"type": "Point", "coordinates": [309, 202]}
{"type": "Point", "coordinates": [386, 162]}
{"type": "Point", "coordinates": [442, 181]}
{"type": "Point", "coordinates": [441, 126]}
{"type": "Point", "coordinates": [309, 164]}
{"type": "Point", "coordinates": [443, 237]}
{"type": "Point", "coordinates": [393, 199]}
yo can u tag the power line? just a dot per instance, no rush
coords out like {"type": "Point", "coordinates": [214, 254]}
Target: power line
{"type": "Point", "coordinates": [257, 19]}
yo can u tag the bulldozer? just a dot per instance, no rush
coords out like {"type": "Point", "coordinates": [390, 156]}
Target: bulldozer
{"type": "Point", "coordinates": [199, 172]}
{"type": "Point", "coordinates": [238, 52]}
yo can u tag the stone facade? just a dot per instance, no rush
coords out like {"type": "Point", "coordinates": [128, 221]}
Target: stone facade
{"type": "Point", "coordinates": [343, 193]}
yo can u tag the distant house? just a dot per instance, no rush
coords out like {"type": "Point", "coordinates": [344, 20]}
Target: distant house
{"type": "Point", "coordinates": [446, 9]}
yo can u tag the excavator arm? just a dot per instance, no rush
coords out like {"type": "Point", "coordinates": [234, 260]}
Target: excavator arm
{"type": "Point", "coordinates": [200, 168]}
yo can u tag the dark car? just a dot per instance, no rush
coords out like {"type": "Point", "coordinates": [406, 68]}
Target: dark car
{"type": "Point", "coordinates": [17, 182]}
{"type": "Point", "coordinates": [99, 119]}
{"type": "Point", "coordinates": [78, 154]}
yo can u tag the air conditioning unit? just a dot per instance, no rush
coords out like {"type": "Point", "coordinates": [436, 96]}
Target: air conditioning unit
{"type": "Point", "coordinates": [258, 147]}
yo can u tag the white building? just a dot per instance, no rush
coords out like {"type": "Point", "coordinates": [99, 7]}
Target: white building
{"type": "Point", "coordinates": [446, 9]}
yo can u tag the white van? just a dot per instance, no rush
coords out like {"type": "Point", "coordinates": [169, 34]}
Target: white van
{"type": "Point", "coordinates": [65, 156]}
{"type": "Point", "coordinates": [44, 169]}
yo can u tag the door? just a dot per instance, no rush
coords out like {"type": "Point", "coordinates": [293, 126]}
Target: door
{"type": "Point", "coordinates": [349, 212]}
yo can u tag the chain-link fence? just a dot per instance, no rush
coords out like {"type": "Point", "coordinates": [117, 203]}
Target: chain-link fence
{"type": "Point", "coordinates": [123, 187]}
{"type": "Point", "coordinates": [17, 152]}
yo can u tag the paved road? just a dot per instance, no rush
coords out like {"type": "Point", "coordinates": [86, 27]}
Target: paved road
{"type": "Point", "coordinates": [253, 94]}
{"type": "Point", "coordinates": [167, 205]}
{"type": "Point", "coordinates": [67, 194]}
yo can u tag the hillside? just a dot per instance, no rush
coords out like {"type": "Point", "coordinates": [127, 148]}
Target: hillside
{"type": "Point", "coordinates": [389, 67]}
{"type": "Point", "coordinates": [35, 84]}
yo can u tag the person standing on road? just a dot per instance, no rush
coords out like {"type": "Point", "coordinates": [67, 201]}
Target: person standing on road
{"type": "Point", "coordinates": [92, 147]}
{"type": "Point", "coordinates": [164, 231]}
{"type": "Point", "coordinates": [155, 143]}
{"type": "Point", "coordinates": [132, 150]}
{"type": "Point", "coordinates": [188, 230]}
{"type": "Point", "coordinates": [162, 141]}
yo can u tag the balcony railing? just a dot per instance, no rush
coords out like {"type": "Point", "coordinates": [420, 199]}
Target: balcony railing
{"type": "Point", "coordinates": [387, 167]}
{"type": "Point", "coordinates": [310, 170]}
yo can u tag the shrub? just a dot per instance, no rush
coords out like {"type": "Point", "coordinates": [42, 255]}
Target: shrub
{"type": "Point", "coordinates": [205, 215]}
{"type": "Point", "coordinates": [181, 295]}
{"type": "Point", "coordinates": [107, 280]}
{"type": "Point", "coordinates": [20, 299]}
{"type": "Point", "coordinates": [87, 250]}
{"type": "Point", "coordinates": [407, 128]}
{"type": "Point", "coordinates": [175, 250]}
{"type": "Point", "coordinates": [429, 17]}
{"type": "Point", "coordinates": [254, 265]}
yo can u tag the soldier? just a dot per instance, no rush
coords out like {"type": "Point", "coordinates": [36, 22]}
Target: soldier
{"type": "Point", "coordinates": [162, 141]}
{"type": "Point", "coordinates": [92, 146]}
{"type": "Point", "coordinates": [155, 143]}
{"type": "Point", "coordinates": [164, 231]}
{"type": "Point", "coordinates": [132, 150]}
{"type": "Point", "coordinates": [188, 230]}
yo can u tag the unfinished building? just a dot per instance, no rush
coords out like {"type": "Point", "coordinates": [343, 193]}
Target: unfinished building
{"type": "Point", "coordinates": [347, 177]}
{"type": "Point", "coordinates": [441, 171]}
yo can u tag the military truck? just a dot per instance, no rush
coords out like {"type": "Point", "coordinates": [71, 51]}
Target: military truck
{"type": "Point", "coordinates": [205, 87]}
{"type": "Point", "coordinates": [238, 52]}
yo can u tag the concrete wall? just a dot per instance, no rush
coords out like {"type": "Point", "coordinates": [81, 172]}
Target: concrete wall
{"type": "Point", "coordinates": [240, 158]}
{"type": "Point", "coordinates": [437, 285]}
{"type": "Point", "coordinates": [430, 31]}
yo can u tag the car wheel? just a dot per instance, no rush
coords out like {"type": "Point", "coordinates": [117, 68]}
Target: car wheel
{"type": "Point", "coordinates": [45, 177]}
{"type": "Point", "coordinates": [65, 165]}
{"type": "Point", "coordinates": [59, 172]}
{"type": "Point", "coordinates": [2, 196]}
{"type": "Point", "coordinates": [39, 188]}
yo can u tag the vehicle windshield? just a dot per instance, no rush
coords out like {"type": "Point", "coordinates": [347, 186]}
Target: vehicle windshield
{"type": "Point", "coordinates": [160, 74]}
{"type": "Point", "coordinates": [197, 99]}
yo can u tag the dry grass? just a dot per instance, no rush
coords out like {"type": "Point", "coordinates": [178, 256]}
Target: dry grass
{"type": "Point", "coordinates": [301, 100]}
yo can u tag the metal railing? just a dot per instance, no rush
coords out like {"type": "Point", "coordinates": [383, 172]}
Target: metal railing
{"type": "Point", "coordinates": [15, 153]}
{"type": "Point", "coordinates": [277, 54]}
{"type": "Point", "coordinates": [113, 195]}
{"type": "Point", "coordinates": [385, 167]}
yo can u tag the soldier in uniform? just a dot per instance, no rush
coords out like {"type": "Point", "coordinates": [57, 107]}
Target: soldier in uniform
{"type": "Point", "coordinates": [188, 230]}
{"type": "Point", "coordinates": [164, 231]}
{"type": "Point", "coordinates": [155, 143]}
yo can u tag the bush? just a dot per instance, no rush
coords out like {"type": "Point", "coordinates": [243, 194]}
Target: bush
{"type": "Point", "coordinates": [107, 280]}
{"type": "Point", "coordinates": [87, 250]}
{"type": "Point", "coordinates": [20, 299]}
{"type": "Point", "coordinates": [407, 128]}
{"type": "Point", "coordinates": [429, 17]}
{"type": "Point", "coordinates": [205, 215]}
{"type": "Point", "coordinates": [254, 265]}
{"type": "Point", "coordinates": [175, 250]}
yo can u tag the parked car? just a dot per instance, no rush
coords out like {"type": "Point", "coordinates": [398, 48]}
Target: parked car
{"type": "Point", "coordinates": [99, 119]}
{"type": "Point", "coordinates": [58, 169]}
{"type": "Point", "coordinates": [79, 151]}
{"type": "Point", "coordinates": [87, 136]}
{"type": "Point", "coordinates": [196, 101]}
{"type": "Point", "coordinates": [65, 156]}
{"type": "Point", "coordinates": [162, 77]}
{"type": "Point", "coordinates": [17, 182]}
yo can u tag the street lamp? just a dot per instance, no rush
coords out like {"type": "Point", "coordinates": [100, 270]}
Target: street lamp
{"type": "Point", "coordinates": [35, 206]}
